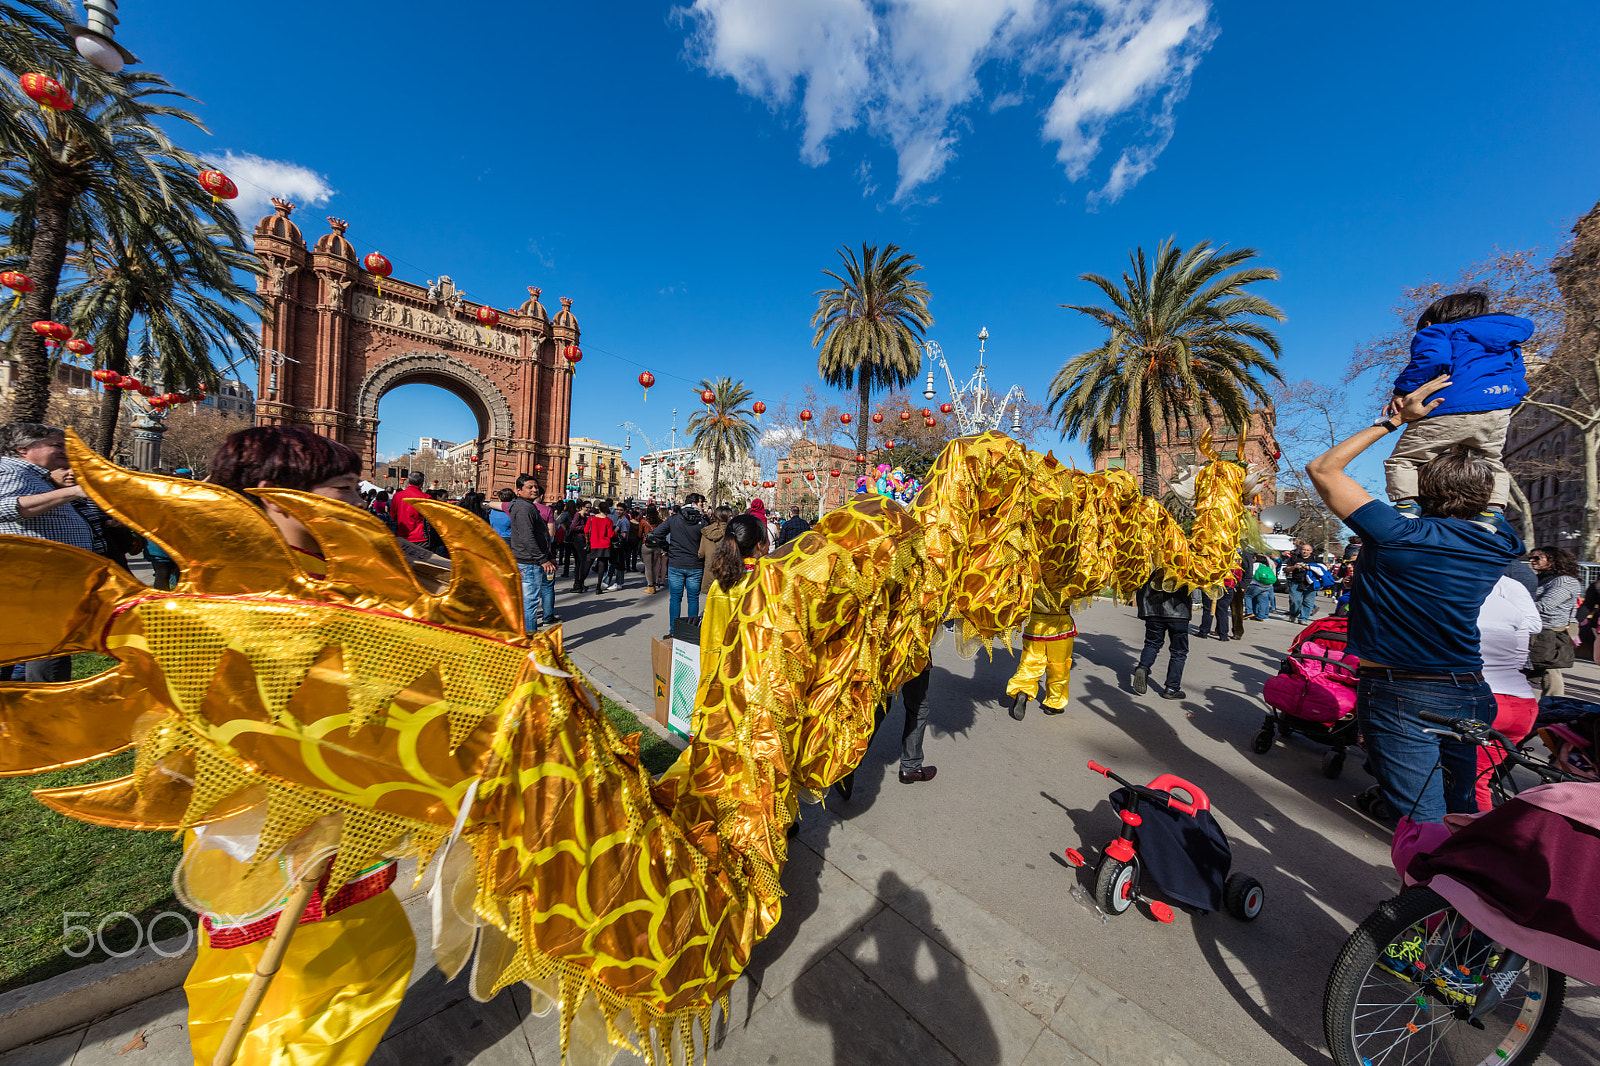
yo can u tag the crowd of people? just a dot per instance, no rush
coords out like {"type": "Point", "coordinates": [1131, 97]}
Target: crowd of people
{"type": "Point", "coordinates": [1442, 610]}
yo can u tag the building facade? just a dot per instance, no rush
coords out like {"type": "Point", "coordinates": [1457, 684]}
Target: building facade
{"type": "Point", "coordinates": [596, 469]}
{"type": "Point", "coordinates": [1257, 445]}
{"type": "Point", "coordinates": [232, 399]}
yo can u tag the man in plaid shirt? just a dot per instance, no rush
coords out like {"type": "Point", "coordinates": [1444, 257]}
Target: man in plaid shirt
{"type": "Point", "coordinates": [33, 505]}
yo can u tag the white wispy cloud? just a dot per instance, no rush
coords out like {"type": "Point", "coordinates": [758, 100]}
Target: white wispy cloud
{"type": "Point", "coordinates": [906, 71]}
{"type": "Point", "coordinates": [259, 180]}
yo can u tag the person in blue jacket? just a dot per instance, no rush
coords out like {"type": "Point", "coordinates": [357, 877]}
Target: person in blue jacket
{"type": "Point", "coordinates": [1481, 355]}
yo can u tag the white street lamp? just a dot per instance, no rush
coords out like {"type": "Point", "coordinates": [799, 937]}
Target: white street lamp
{"type": "Point", "coordinates": [96, 39]}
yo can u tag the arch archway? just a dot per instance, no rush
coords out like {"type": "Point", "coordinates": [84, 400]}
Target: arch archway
{"type": "Point", "coordinates": [334, 342]}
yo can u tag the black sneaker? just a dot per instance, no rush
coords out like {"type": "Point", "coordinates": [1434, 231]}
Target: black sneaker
{"type": "Point", "coordinates": [1141, 682]}
{"type": "Point", "coordinates": [1205, 636]}
{"type": "Point", "coordinates": [1173, 693]}
{"type": "Point", "coordinates": [1019, 706]}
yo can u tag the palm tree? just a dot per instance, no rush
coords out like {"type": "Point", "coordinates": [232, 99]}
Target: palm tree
{"type": "Point", "coordinates": [172, 277]}
{"type": "Point", "coordinates": [106, 151]}
{"type": "Point", "coordinates": [724, 428]}
{"type": "Point", "coordinates": [870, 328]}
{"type": "Point", "coordinates": [1178, 336]}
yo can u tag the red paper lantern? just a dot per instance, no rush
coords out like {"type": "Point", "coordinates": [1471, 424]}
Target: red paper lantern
{"type": "Point", "coordinates": [171, 397]}
{"type": "Point", "coordinates": [158, 403]}
{"type": "Point", "coordinates": [787, 481]}
{"type": "Point", "coordinates": [833, 473]}
{"type": "Point", "coordinates": [945, 408]}
{"type": "Point", "coordinates": [930, 423]}
{"type": "Point", "coordinates": [79, 346]}
{"type": "Point", "coordinates": [146, 390]}
{"type": "Point", "coordinates": [378, 265]}
{"type": "Point", "coordinates": [46, 92]}
{"type": "Point", "coordinates": [805, 416]}
{"type": "Point", "coordinates": [218, 185]}
{"type": "Point", "coordinates": [759, 408]}
{"type": "Point", "coordinates": [646, 380]}
{"type": "Point", "coordinates": [52, 332]}
{"type": "Point", "coordinates": [905, 416]}
{"type": "Point", "coordinates": [927, 413]}
{"type": "Point", "coordinates": [889, 444]}
{"type": "Point", "coordinates": [476, 458]}
{"type": "Point", "coordinates": [877, 416]}
{"type": "Point", "coordinates": [861, 458]}
{"type": "Point", "coordinates": [489, 317]}
{"type": "Point", "coordinates": [707, 397]}
{"type": "Point", "coordinates": [106, 377]}
{"type": "Point", "coordinates": [769, 484]}
{"type": "Point", "coordinates": [15, 279]}
{"type": "Point", "coordinates": [844, 420]}
{"type": "Point", "coordinates": [811, 475]}
{"type": "Point", "coordinates": [573, 353]}
{"type": "Point", "coordinates": [125, 382]}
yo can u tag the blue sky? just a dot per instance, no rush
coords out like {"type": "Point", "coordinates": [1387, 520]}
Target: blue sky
{"type": "Point", "coordinates": [685, 175]}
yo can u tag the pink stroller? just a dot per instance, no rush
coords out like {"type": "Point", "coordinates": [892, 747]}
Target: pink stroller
{"type": "Point", "coordinates": [1470, 963]}
{"type": "Point", "coordinates": [1314, 694]}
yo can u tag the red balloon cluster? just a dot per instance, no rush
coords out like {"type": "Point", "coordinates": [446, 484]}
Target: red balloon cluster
{"type": "Point", "coordinates": [46, 92]}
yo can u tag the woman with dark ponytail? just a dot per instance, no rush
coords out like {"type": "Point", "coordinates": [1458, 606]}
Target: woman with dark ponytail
{"type": "Point", "coordinates": [742, 543]}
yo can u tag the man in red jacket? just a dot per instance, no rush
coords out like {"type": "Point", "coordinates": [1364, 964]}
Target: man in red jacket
{"type": "Point", "coordinates": [405, 514]}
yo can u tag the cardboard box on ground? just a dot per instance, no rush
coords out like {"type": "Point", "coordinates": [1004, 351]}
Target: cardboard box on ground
{"type": "Point", "coordinates": [675, 670]}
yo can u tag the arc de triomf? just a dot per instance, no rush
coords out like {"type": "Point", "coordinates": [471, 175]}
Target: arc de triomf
{"type": "Point", "coordinates": [334, 345]}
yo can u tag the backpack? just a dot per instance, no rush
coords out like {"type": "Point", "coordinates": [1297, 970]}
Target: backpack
{"type": "Point", "coordinates": [1265, 574]}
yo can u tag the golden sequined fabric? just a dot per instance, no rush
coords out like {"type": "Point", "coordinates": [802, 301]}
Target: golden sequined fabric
{"type": "Point", "coordinates": [364, 698]}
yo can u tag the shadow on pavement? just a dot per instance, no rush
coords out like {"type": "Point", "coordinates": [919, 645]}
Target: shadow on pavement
{"type": "Point", "coordinates": [920, 976]}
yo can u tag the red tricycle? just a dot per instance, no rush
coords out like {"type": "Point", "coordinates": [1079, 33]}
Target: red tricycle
{"type": "Point", "coordinates": [1174, 839]}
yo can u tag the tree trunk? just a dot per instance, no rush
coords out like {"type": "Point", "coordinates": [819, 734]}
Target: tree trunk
{"type": "Point", "coordinates": [1149, 468]}
{"type": "Point", "coordinates": [1525, 511]}
{"type": "Point", "coordinates": [111, 401]}
{"type": "Point", "coordinates": [716, 474]}
{"type": "Point", "coordinates": [46, 254]}
{"type": "Point", "coordinates": [1590, 545]}
{"type": "Point", "coordinates": [862, 433]}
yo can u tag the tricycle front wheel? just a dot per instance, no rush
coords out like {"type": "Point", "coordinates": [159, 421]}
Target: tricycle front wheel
{"type": "Point", "coordinates": [1116, 884]}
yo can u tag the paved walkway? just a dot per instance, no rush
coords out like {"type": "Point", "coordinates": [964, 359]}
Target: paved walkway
{"type": "Point", "coordinates": [934, 923]}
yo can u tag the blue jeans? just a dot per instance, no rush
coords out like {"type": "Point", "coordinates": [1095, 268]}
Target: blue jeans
{"type": "Point", "coordinates": [537, 586]}
{"type": "Point", "coordinates": [1218, 610]}
{"type": "Point", "coordinates": [676, 581]}
{"type": "Point", "coordinates": [1173, 630]}
{"type": "Point", "coordinates": [1403, 756]}
{"type": "Point", "coordinates": [1302, 602]}
{"type": "Point", "coordinates": [1261, 601]}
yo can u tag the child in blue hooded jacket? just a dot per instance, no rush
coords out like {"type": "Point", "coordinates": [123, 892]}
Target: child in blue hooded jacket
{"type": "Point", "coordinates": [1481, 354]}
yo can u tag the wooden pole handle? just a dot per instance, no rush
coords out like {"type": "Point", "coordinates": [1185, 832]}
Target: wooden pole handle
{"type": "Point", "coordinates": [271, 960]}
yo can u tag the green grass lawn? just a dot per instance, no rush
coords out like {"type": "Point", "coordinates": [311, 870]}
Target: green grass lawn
{"type": "Point", "coordinates": [55, 865]}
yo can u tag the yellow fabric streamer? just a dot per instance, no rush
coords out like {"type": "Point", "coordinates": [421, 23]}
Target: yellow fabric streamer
{"type": "Point", "coordinates": [363, 702]}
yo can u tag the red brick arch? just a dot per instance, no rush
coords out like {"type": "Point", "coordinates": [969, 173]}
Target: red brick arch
{"type": "Point", "coordinates": [334, 344]}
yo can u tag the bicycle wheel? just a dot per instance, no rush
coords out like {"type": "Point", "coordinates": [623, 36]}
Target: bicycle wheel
{"type": "Point", "coordinates": [1409, 979]}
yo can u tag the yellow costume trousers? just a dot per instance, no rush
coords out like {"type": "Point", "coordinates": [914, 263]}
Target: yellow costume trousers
{"type": "Point", "coordinates": [339, 988]}
{"type": "Point", "coordinates": [1046, 653]}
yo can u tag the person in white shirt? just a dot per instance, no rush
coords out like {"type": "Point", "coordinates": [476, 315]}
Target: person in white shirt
{"type": "Point", "coordinates": [1507, 620]}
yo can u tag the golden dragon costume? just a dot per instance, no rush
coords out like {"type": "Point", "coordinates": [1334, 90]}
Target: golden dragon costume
{"type": "Point", "coordinates": [361, 711]}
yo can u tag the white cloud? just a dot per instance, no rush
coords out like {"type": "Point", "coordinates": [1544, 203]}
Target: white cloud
{"type": "Point", "coordinates": [259, 180]}
{"type": "Point", "coordinates": [905, 70]}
